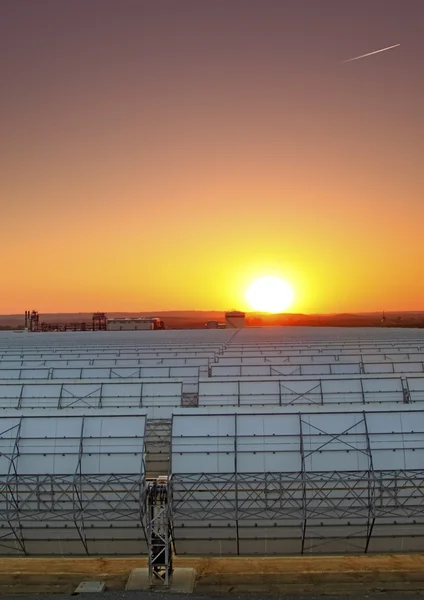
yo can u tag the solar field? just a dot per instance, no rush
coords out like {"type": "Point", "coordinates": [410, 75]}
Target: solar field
{"type": "Point", "coordinates": [275, 441]}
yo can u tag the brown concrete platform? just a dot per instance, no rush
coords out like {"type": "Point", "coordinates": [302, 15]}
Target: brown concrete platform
{"type": "Point", "coordinates": [183, 580]}
{"type": "Point", "coordinates": [138, 579]}
{"type": "Point", "coordinates": [318, 574]}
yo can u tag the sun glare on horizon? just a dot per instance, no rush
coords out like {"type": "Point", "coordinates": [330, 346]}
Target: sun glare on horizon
{"type": "Point", "coordinates": [270, 294]}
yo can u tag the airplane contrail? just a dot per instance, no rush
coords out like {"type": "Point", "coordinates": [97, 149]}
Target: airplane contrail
{"type": "Point", "coordinates": [371, 53]}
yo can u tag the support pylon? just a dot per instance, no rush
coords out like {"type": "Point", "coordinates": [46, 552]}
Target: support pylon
{"type": "Point", "coordinates": [158, 532]}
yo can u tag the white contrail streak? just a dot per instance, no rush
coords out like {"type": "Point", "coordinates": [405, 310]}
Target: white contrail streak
{"type": "Point", "coordinates": [371, 53]}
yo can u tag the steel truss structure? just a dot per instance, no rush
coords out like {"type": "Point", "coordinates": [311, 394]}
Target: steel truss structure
{"type": "Point", "coordinates": [317, 508]}
{"type": "Point", "coordinates": [63, 395]}
{"type": "Point", "coordinates": [323, 391]}
{"type": "Point", "coordinates": [72, 485]}
{"type": "Point", "coordinates": [312, 367]}
{"type": "Point", "coordinates": [158, 525]}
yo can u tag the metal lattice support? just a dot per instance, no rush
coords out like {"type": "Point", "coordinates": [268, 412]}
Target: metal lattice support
{"type": "Point", "coordinates": [158, 532]}
{"type": "Point", "coordinates": [308, 511]}
{"type": "Point", "coordinates": [100, 510]}
{"type": "Point", "coordinates": [78, 516]}
{"type": "Point", "coordinates": [189, 399]}
{"type": "Point", "coordinates": [11, 488]}
{"type": "Point", "coordinates": [313, 395]}
{"type": "Point", "coordinates": [405, 390]}
{"type": "Point", "coordinates": [371, 484]}
{"type": "Point", "coordinates": [80, 512]}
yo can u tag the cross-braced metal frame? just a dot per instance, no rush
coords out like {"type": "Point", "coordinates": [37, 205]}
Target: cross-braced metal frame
{"type": "Point", "coordinates": [309, 511]}
{"type": "Point", "coordinates": [158, 532]}
{"type": "Point", "coordinates": [312, 390]}
{"type": "Point", "coordinates": [90, 394]}
{"type": "Point", "coordinates": [46, 509]}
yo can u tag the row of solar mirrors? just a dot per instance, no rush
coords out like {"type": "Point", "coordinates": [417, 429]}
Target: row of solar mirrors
{"type": "Point", "coordinates": [161, 396]}
{"type": "Point", "coordinates": [103, 369]}
{"type": "Point", "coordinates": [241, 483]}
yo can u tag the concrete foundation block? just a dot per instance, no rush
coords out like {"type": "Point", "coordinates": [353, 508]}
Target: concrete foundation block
{"type": "Point", "coordinates": [183, 580]}
{"type": "Point", "coordinates": [90, 587]}
{"type": "Point", "coordinates": [138, 580]}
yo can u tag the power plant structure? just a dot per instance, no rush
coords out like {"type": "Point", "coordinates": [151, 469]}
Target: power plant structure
{"type": "Point", "coordinates": [99, 322]}
{"type": "Point", "coordinates": [135, 324]}
{"type": "Point", "coordinates": [263, 441]}
{"type": "Point", "coordinates": [235, 319]}
{"type": "Point", "coordinates": [32, 321]}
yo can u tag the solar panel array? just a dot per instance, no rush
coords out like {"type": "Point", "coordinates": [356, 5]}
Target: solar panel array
{"type": "Point", "coordinates": [71, 483]}
{"type": "Point", "coordinates": [276, 440]}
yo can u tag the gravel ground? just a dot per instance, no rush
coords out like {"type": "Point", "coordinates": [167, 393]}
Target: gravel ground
{"type": "Point", "coordinates": [122, 595]}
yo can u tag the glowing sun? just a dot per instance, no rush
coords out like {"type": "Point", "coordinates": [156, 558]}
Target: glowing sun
{"type": "Point", "coordinates": [269, 294]}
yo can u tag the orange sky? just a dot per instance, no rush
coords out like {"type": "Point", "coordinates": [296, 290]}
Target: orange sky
{"type": "Point", "coordinates": [155, 169]}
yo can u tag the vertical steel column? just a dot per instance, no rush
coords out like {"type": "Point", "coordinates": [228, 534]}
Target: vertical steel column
{"type": "Point", "coordinates": [12, 486]}
{"type": "Point", "coordinates": [371, 487]}
{"type": "Point", "coordinates": [304, 506]}
{"type": "Point", "coordinates": [78, 507]}
{"type": "Point", "coordinates": [405, 390]}
{"type": "Point", "coordinates": [59, 401]}
{"type": "Point", "coordinates": [236, 485]}
{"type": "Point", "coordinates": [361, 383]}
{"type": "Point", "coordinates": [21, 393]}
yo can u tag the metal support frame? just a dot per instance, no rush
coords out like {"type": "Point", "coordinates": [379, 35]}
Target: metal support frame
{"type": "Point", "coordinates": [189, 399]}
{"type": "Point", "coordinates": [236, 487]}
{"type": "Point", "coordinates": [405, 390]}
{"type": "Point", "coordinates": [12, 490]}
{"type": "Point", "coordinates": [361, 384]}
{"type": "Point", "coordinates": [87, 394]}
{"type": "Point", "coordinates": [304, 511]}
{"type": "Point", "coordinates": [78, 516]}
{"type": "Point", "coordinates": [304, 507]}
{"type": "Point", "coordinates": [158, 532]}
{"type": "Point", "coordinates": [286, 394]}
{"type": "Point", "coordinates": [311, 395]}
{"type": "Point", "coordinates": [297, 370]}
{"type": "Point", "coordinates": [75, 503]}
{"type": "Point", "coordinates": [346, 508]}
{"type": "Point", "coordinates": [75, 400]}
{"type": "Point", "coordinates": [21, 393]}
{"type": "Point", "coordinates": [371, 488]}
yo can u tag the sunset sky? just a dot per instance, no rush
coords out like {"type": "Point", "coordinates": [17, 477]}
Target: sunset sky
{"type": "Point", "coordinates": [162, 154]}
